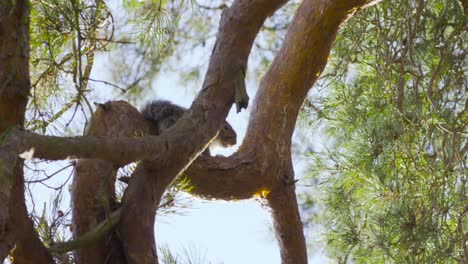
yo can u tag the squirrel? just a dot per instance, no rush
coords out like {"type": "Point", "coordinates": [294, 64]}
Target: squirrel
{"type": "Point", "coordinates": [163, 114]}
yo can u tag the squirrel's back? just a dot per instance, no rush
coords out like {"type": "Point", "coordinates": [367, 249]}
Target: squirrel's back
{"type": "Point", "coordinates": [163, 114]}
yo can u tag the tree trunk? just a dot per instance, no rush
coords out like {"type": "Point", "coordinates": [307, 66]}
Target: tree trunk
{"type": "Point", "coordinates": [16, 228]}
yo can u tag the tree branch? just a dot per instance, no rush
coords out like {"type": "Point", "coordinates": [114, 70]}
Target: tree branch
{"type": "Point", "coordinates": [116, 150]}
{"type": "Point", "coordinates": [229, 178]}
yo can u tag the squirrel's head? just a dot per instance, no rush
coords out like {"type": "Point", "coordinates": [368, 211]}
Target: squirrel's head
{"type": "Point", "coordinates": [227, 136]}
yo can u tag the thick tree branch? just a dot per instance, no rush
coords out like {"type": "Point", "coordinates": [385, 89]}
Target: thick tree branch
{"type": "Point", "coordinates": [229, 178]}
{"type": "Point", "coordinates": [115, 149]}
{"type": "Point", "coordinates": [296, 68]}
{"type": "Point", "coordinates": [288, 225]}
{"type": "Point", "coordinates": [93, 199]}
{"type": "Point", "coordinates": [141, 199]}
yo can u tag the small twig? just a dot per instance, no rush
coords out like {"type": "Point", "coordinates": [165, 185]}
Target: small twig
{"type": "Point", "coordinates": [220, 7]}
{"type": "Point", "coordinates": [49, 176]}
{"type": "Point", "coordinates": [108, 83]}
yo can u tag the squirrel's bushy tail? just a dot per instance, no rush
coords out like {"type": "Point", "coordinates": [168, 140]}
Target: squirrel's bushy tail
{"type": "Point", "coordinates": [159, 111]}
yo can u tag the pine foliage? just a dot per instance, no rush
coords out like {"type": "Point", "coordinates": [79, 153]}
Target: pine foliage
{"type": "Point", "coordinates": [393, 104]}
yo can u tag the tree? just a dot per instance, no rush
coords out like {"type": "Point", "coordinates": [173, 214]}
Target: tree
{"type": "Point", "coordinates": [393, 102]}
{"type": "Point", "coordinates": [261, 166]}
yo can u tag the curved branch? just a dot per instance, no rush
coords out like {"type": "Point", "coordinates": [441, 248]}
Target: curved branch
{"type": "Point", "coordinates": [296, 68]}
{"type": "Point", "coordinates": [229, 178]}
{"type": "Point", "coordinates": [282, 91]}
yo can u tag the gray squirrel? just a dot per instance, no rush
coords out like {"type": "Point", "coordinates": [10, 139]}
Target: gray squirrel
{"type": "Point", "coordinates": [163, 114]}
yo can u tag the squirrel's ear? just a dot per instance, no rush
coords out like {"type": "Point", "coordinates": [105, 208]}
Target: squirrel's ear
{"type": "Point", "coordinates": [102, 106]}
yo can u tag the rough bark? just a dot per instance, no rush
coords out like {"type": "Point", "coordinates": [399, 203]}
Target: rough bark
{"type": "Point", "coordinates": [16, 228]}
{"type": "Point", "coordinates": [141, 198]}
